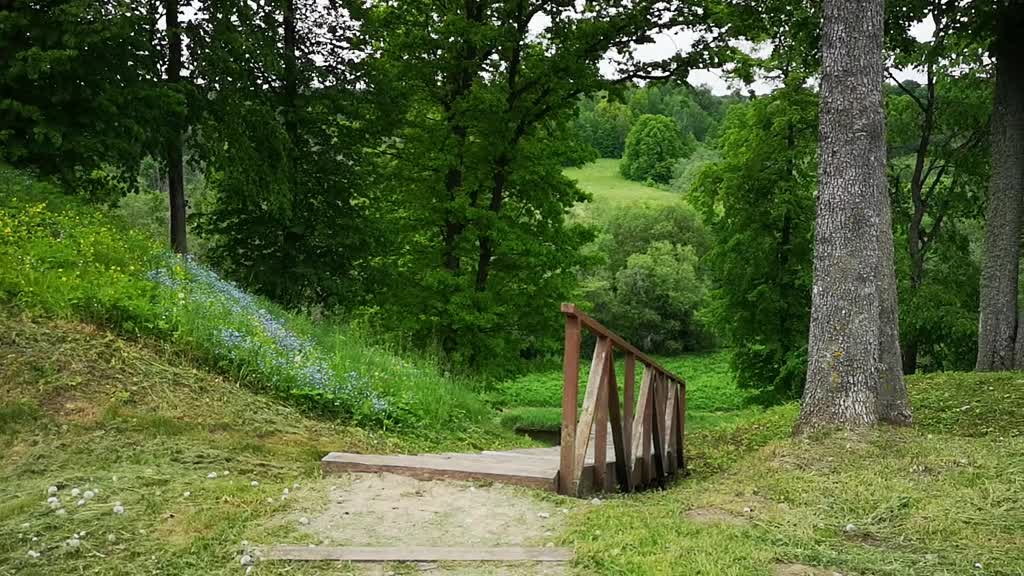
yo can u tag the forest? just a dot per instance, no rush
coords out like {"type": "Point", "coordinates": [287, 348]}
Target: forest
{"type": "Point", "coordinates": [370, 212]}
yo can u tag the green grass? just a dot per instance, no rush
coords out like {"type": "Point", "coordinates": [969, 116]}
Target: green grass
{"type": "Point", "coordinates": [602, 179]}
{"type": "Point", "coordinates": [712, 397]}
{"type": "Point", "coordinates": [945, 498]}
{"type": "Point", "coordinates": [63, 259]}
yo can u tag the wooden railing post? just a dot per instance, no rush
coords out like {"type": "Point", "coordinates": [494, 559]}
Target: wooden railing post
{"type": "Point", "coordinates": [629, 381]}
{"type": "Point", "coordinates": [648, 427]}
{"type": "Point", "coordinates": [570, 394]}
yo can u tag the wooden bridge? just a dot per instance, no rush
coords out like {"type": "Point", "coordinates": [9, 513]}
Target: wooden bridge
{"type": "Point", "coordinates": [647, 429]}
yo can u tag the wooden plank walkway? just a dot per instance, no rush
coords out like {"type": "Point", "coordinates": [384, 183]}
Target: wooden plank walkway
{"type": "Point", "coordinates": [531, 467]}
{"type": "Point", "coordinates": [418, 554]}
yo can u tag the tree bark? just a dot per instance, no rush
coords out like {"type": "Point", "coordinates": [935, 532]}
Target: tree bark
{"type": "Point", "coordinates": [174, 152]}
{"type": "Point", "coordinates": [997, 316]}
{"type": "Point", "coordinates": [849, 352]}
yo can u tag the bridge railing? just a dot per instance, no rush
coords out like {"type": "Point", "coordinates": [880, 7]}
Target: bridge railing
{"type": "Point", "coordinates": [648, 429]}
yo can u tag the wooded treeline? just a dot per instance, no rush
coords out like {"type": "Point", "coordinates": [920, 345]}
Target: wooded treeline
{"type": "Point", "coordinates": [401, 163]}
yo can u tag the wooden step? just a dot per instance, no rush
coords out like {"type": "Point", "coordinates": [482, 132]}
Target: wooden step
{"type": "Point", "coordinates": [417, 554]}
{"type": "Point", "coordinates": [534, 474]}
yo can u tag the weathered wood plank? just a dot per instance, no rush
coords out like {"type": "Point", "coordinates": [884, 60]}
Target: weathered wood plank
{"type": "Point", "coordinates": [628, 401]}
{"type": "Point", "coordinates": [570, 310]}
{"type": "Point", "coordinates": [586, 423]}
{"type": "Point", "coordinates": [601, 424]}
{"type": "Point", "coordinates": [657, 423]}
{"type": "Point", "coordinates": [434, 468]}
{"type": "Point", "coordinates": [670, 430]}
{"type": "Point", "coordinates": [417, 554]}
{"type": "Point", "coordinates": [570, 395]}
{"type": "Point", "coordinates": [622, 471]}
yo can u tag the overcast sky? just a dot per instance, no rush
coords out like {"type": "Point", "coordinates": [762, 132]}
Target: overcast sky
{"type": "Point", "coordinates": [667, 44]}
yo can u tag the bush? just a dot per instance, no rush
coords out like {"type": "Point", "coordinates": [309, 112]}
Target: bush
{"type": "Point", "coordinates": [653, 147]}
{"type": "Point", "coordinates": [651, 287]}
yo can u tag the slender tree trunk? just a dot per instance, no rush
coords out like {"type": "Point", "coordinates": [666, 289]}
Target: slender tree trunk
{"type": "Point", "coordinates": [175, 154]}
{"type": "Point", "coordinates": [893, 402]}
{"type": "Point", "coordinates": [997, 318]}
{"type": "Point", "coordinates": [291, 72]}
{"type": "Point", "coordinates": [849, 376]}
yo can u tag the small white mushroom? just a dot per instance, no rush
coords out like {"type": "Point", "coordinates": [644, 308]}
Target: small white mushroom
{"type": "Point", "coordinates": [80, 502]}
{"type": "Point", "coordinates": [211, 475]}
{"type": "Point", "coordinates": [51, 490]}
{"type": "Point", "coordinates": [544, 515]}
{"type": "Point", "coordinates": [89, 494]}
{"type": "Point", "coordinates": [247, 560]}
{"type": "Point", "coordinates": [111, 537]}
{"type": "Point", "coordinates": [304, 521]}
{"type": "Point", "coordinates": [75, 492]}
{"type": "Point", "coordinates": [52, 500]}
{"type": "Point", "coordinates": [595, 501]}
{"type": "Point", "coordinates": [61, 512]}
{"type": "Point", "coordinates": [254, 483]}
{"type": "Point", "coordinates": [33, 554]}
{"type": "Point", "coordinates": [186, 494]}
{"type": "Point", "coordinates": [73, 543]}
{"type": "Point", "coordinates": [849, 528]}
{"type": "Point", "coordinates": [118, 508]}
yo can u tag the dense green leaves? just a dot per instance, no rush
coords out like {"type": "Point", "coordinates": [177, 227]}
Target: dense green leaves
{"type": "Point", "coordinates": [652, 149]}
{"type": "Point", "coordinates": [758, 201]}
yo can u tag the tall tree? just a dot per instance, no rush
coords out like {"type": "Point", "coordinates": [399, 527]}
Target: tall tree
{"type": "Point", "coordinates": [854, 377]}
{"type": "Point", "coordinates": [174, 147]}
{"type": "Point", "coordinates": [997, 318]}
{"type": "Point", "coordinates": [480, 160]}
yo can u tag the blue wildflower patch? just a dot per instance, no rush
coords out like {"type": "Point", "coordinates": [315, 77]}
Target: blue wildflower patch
{"type": "Point", "coordinates": [258, 345]}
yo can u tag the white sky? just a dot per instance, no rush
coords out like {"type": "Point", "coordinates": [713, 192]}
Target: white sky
{"type": "Point", "coordinates": [720, 83]}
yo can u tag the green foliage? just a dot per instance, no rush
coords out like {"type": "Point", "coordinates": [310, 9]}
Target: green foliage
{"type": "Point", "coordinates": [651, 285]}
{"type": "Point", "coordinates": [60, 258]}
{"type": "Point", "coordinates": [653, 146]}
{"type": "Point", "coordinates": [67, 69]}
{"type": "Point", "coordinates": [477, 250]}
{"type": "Point", "coordinates": [532, 418]}
{"type": "Point", "coordinates": [758, 201]}
{"type": "Point", "coordinates": [604, 124]}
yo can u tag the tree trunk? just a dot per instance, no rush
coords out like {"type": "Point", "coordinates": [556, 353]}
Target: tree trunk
{"type": "Point", "coordinates": [997, 316]}
{"type": "Point", "coordinates": [853, 288]}
{"type": "Point", "coordinates": [175, 154]}
{"type": "Point", "coordinates": [893, 403]}
{"type": "Point", "coordinates": [291, 73]}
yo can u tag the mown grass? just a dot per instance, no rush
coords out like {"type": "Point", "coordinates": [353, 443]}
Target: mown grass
{"type": "Point", "coordinates": [944, 498]}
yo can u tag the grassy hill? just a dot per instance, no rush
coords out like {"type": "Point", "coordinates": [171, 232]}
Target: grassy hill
{"type": "Point", "coordinates": [603, 180]}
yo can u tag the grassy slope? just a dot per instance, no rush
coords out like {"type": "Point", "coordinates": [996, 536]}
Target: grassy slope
{"type": "Point", "coordinates": [603, 180]}
{"type": "Point", "coordinates": [82, 408]}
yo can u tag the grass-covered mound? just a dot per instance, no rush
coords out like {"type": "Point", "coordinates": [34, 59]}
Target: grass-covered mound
{"type": "Point", "coordinates": [63, 259]}
{"type": "Point", "coordinates": [945, 497]}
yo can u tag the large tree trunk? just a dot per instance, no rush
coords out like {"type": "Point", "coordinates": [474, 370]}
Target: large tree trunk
{"type": "Point", "coordinates": [175, 154]}
{"type": "Point", "coordinates": [853, 283]}
{"type": "Point", "coordinates": [997, 317]}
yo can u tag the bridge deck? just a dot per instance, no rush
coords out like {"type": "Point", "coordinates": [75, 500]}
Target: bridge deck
{"type": "Point", "coordinates": [532, 467]}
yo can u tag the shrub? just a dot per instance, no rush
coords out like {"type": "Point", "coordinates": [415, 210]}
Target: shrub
{"type": "Point", "coordinates": [653, 146]}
